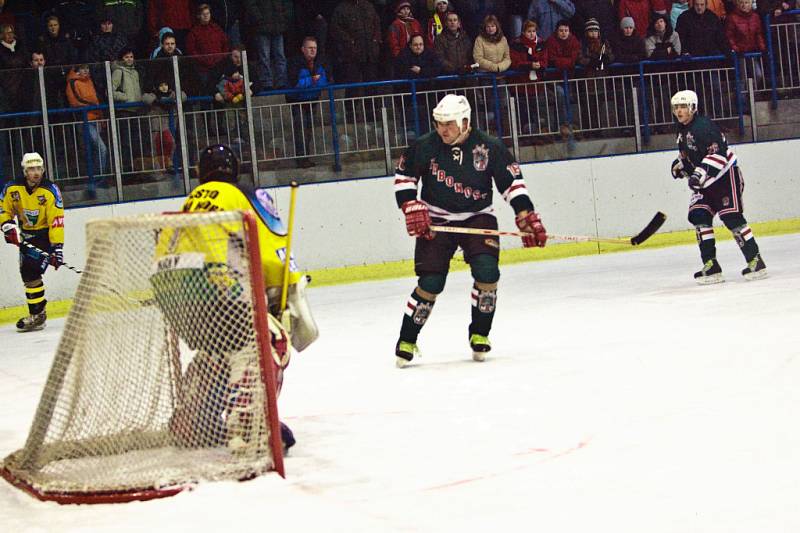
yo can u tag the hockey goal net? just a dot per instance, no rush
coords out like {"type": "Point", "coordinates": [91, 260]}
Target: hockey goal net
{"type": "Point", "coordinates": [164, 374]}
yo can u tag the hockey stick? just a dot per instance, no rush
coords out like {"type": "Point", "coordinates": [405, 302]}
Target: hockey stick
{"type": "Point", "coordinates": [288, 258]}
{"type": "Point", "coordinates": [46, 255]}
{"type": "Point", "coordinates": [639, 238]}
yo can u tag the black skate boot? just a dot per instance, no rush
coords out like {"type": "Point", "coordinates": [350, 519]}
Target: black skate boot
{"type": "Point", "coordinates": [480, 347]}
{"type": "Point", "coordinates": [32, 322]}
{"type": "Point", "coordinates": [287, 437]}
{"type": "Point", "coordinates": [756, 269]}
{"type": "Point", "coordinates": [710, 273]}
{"type": "Point", "coordinates": [405, 352]}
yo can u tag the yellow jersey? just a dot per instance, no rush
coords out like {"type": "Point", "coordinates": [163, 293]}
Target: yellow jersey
{"type": "Point", "coordinates": [223, 196]}
{"type": "Point", "coordinates": [39, 211]}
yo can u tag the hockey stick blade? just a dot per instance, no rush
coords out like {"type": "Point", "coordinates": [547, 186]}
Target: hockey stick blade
{"type": "Point", "coordinates": [648, 231]}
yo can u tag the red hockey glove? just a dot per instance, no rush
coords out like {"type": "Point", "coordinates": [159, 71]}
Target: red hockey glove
{"type": "Point", "coordinates": [418, 220]}
{"type": "Point", "coordinates": [529, 222]}
{"type": "Point", "coordinates": [56, 255]}
{"type": "Point", "coordinates": [10, 233]}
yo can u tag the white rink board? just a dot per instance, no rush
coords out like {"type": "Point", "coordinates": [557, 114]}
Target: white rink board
{"type": "Point", "coordinates": [356, 222]}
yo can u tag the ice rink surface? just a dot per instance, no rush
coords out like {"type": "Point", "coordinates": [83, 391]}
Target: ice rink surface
{"type": "Point", "coordinates": [619, 396]}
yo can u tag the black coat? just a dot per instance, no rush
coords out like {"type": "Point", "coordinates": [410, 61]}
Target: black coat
{"type": "Point", "coordinates": [427, 61]}
{"type": "Point", "coordinates": [701, 35]}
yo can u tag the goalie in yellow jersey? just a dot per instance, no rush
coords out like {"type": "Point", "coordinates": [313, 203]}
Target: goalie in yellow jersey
{"type": "Point", "coordinates": [215, 387]}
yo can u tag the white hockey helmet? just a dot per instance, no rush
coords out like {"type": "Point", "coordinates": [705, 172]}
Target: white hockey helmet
{"type": "Point", "coordinates": [32, 160]}
{"type": "Point", "coordinates": [453, 107]}
{"type": "Point", "coordinates": [687, 98]}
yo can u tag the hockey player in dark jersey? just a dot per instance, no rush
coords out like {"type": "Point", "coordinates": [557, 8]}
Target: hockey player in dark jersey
{"type": "Point", "coordinates": [455, 166]}
{"type": "Point", "coordinates": [711, 170]}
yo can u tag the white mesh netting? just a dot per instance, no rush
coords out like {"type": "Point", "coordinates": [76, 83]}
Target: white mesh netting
{"type": "Point", "coordinates": [157, 380]}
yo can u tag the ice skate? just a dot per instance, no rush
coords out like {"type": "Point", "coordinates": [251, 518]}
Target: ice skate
{"type": "Point", "coordinates": [480, 347]}
{"type": "Point", "coordinates": [405, 352]}
{"type": "Point", "coordinates": [756, 269]}
{"type": "Point", "coordinates": [710, 273]}
{"type": "Point", "coordinates": [32, 322]}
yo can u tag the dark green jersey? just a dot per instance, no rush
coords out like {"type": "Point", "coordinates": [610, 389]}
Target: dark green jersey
{"type": "Point", "coordinates": [457, 180]}
{"type": "Point", "coordinates": [704, 146]}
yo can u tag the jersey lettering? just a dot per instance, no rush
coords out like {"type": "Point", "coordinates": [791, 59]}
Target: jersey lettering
{"type": "Point", "coordinates": [58, 222]}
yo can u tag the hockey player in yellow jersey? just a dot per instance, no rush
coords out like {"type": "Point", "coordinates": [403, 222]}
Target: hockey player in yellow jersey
{"type": "Point", "coordinates": [32, 212]}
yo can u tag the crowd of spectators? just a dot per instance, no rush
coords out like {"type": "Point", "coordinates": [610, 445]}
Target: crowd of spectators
{"type": "Point", "coordinates": [354, 41]}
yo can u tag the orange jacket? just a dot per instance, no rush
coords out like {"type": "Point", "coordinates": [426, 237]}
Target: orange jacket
{"type": "Point", "coordinates": [81, 93]}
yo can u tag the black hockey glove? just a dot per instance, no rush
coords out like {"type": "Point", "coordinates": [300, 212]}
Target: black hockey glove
{"type": "Point", "coordinates": [679, 171]}
{"type": "Point", "coordinates": [697, 179]}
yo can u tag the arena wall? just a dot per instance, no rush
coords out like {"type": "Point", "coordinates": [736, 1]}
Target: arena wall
{"type": "Point", "coordinates": [356, 222]}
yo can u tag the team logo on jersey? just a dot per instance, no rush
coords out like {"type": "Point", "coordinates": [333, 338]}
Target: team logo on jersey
{"type": "Point", "coordinates": [14, 196]}
{"type": "Point", "coordinates": [480, 157]}
{"type": "Point", "coordinates": [42, 199]}
{"type": "Point", "coordinates": [31, 216]}
{"type": "Point", "coordinates": [458, 155]}
{"type": "Point", "coordinates": [713, 149]}
{"type": "Point", "coordinates": [58, 222]}
{"type": "Point", "coordinates": [690, 144]}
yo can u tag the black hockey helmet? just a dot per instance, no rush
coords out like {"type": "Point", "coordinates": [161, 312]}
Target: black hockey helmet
{"type": "Point", "coordinates": [218, 163]}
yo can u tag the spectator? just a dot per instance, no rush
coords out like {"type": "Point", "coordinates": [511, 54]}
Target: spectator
{"type": "Point", "coordinates": [230, 85]}
{"type": "Point", "coordinates": [743, 29]}
{"type": "Point", "coordinates": [402, 28]}
{"type": "Point", "coordinates": [7, 15]}
{"type": "Point", "coordinates": [517, 13]}
{"type": "Point", "coordinates": [527, 51]}
{"type": "Point", "coordinates": [629, 47]}
{"type": "Point", "coordinates": [562, 49]}
{"type": "Point", "coordinates": [81, 93]}
{"type": "Point", "coordinates": [13, 57]}
{"type": "Point", "coordinates": [638, 10]}
{"type": "Point", "coordinates": [208, 43]}
{"type": "Point", "coordinates": [491, 50]}
{"type": "Point", "coordinates": [313, 18]}
{"type": "Point", "coordinates": [775, 9]}
{"type": "Point", "coordinates": [596, 52]}
{"type": "Point", "coordinates": [306, 72]}
{"type": "Point", "coordinates": [548, 13]}
{"type": "Point", "coordinates": [601, 10]}
{"type": "Point", "coordinates": [77, 24]}
{"type": "Point", "coordinates": [720, 8]}
{"type": "Point", "coordinates": [700, 31]}
{"type": "Point", "coordinates": [474, 12]}
{"type": "Point", "coordinates": [355, 35]}
{"type": "Point", "coordinates": [161, 67]}
{"type": "Point", "coordinates": [436, 22]}
{"type": "Point", "coordinates": [174, 14]}
{"type": "Point", "coordinates": [128, 17]}
{"type": "Point", "coordinates": [160, 95]}
{"type": "Point", "coordinates": [416, 61]}
{"type": "Point", "coordinates": [662, 42]}
{"type": "Point", "coordinates": [107, 44]}
{"type": "Point", "coordinates": [269, 20]}
{"type": "Point", "coordinates": [52, 87]}
{"type": "Point", "coordinates": [161, 34]}
{"type": "Point", "coordinates": [126, 85]}
{"type": "Point", "coordinates": [126, 81]}
{"type": "Point", "coordinates": [56, 46]}
{"type": "Point", "coordinates": [679, 7]}
{"type": "Point", "coordinates": [228, 15]}
{"type": "Point", "coordinates": [454, 47]}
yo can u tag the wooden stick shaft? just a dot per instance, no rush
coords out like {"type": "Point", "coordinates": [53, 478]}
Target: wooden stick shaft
{"type": "Point", "coordinates": [288, 259]}
{"type": "Point", "coordinates": [498, 233]}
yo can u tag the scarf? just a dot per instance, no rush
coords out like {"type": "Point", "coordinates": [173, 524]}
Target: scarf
{"type": "Point", "coordinates": [11, 46]}
{"type": "Point", "coordinates": [437, 24]}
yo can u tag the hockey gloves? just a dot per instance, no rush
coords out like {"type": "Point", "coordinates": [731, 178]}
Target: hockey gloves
{"type": "Point", "coordinates": [418, 219]}
{"type": "Point", "coordinates": [10, 233]}
{"type": "Point", "coordinates": [529, 222]}
{"type": "Point", "coordinates": [57, 255]}
{"type": "Point", "coordinates": [679, 170]}
{"type": "Point", "coordinates": [697, 179]}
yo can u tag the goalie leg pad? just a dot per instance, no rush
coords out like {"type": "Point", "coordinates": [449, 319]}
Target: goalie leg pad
{"type": "Point", "coordinates": [304, 330]}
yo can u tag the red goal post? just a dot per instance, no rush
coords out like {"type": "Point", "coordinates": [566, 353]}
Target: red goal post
{"type": "Point", "coordinates": [164, 375]}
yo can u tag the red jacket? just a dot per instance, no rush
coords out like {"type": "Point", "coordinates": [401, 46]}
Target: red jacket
{"type": "Point", "coordinates": [562, 54]}
{"type": "Point", "coordinates": [639, 11]}
{"type": "Point", "coordinates": [205, 40]}
{"type": "Point", "coordinates": [744, 32]}
{"type": "Point", "coordinates": [399, 33]}
{"type": "Point", "coordinates": [177, 14]}
{"type": "Point", "coordinates": [524, 52]}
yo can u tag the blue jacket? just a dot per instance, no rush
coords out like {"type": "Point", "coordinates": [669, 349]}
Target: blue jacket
{"type": "Point", "coordinates": [301, 76]}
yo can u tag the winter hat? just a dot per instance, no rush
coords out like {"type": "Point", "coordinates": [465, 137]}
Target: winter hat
{"type": "Point", "coordinates": [441, 2]}
{"type": "Point", "coordinates": [591, 24]}
{"type": "Point", "coordinates": [401, 5]}
{"type": "Point", "coordinates": [626, 22]}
